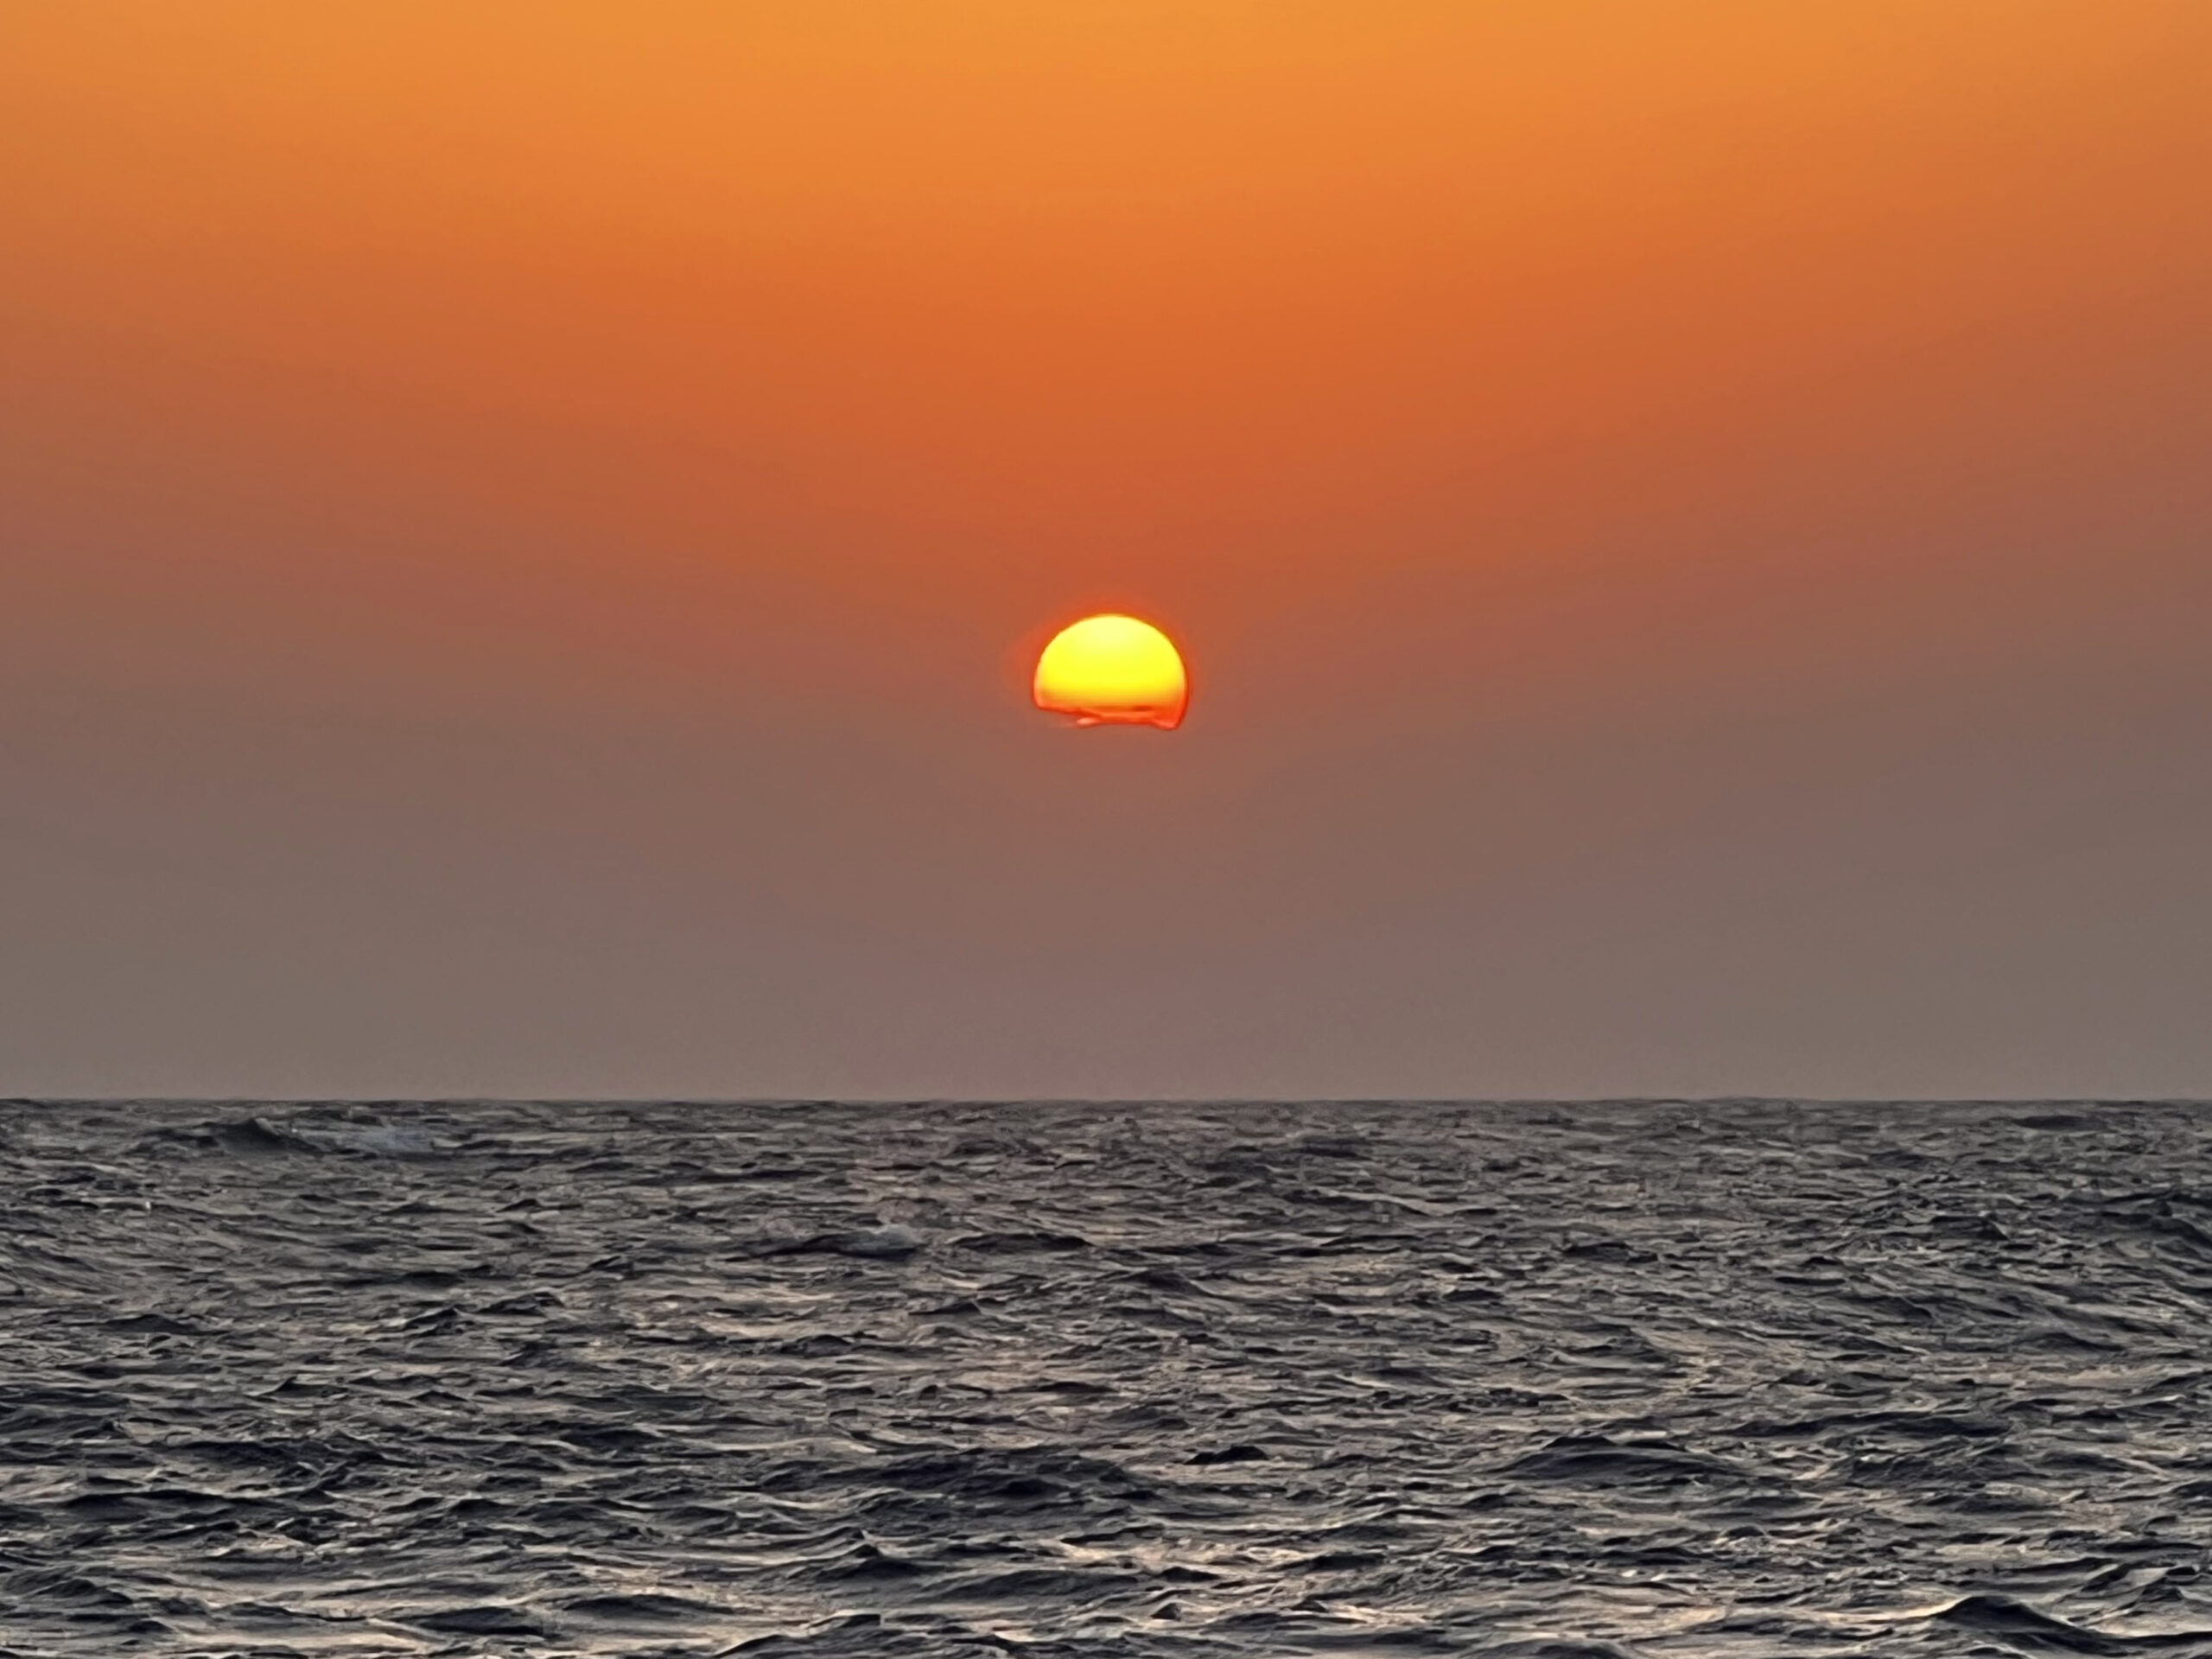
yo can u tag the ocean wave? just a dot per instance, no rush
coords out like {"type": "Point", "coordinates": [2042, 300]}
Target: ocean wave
{"type": "Point", "coordinates": [1744, 1379]}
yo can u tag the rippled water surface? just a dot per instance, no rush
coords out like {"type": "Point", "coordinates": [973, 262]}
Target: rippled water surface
{"type": "Point", "coordinates": [1755, 1380]}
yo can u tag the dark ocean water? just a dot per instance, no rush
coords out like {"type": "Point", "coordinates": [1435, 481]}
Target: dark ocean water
{"type": "Point", "coordinates": [1753, 1379]}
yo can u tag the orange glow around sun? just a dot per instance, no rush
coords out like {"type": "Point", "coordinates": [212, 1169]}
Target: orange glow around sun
{"type": "Point", "coordinates": [1113, 671]}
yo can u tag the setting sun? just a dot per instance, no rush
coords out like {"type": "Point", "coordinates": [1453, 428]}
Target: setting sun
{"type": "Point", "coordinates": [1113, 671]}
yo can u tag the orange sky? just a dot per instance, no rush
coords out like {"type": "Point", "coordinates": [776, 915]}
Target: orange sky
{"type": "Point", "coordinates": [1681, 514]}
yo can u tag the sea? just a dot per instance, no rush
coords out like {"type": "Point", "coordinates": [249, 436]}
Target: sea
{"type": "Point", "coordinates": [807, 1379]}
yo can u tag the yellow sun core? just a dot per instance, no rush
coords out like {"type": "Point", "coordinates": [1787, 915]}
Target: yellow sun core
{"type": "Point", "coordinates": [1113, 671]}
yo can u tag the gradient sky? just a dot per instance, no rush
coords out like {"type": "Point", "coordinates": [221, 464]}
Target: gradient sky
{"type": "Point", "coordinates": [520, 526]}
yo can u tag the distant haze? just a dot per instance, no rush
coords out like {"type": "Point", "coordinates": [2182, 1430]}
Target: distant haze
{"type": "Point", "coordinates": [1691, 527]}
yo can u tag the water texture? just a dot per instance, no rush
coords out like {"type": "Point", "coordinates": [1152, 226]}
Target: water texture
{"type": "Point", "coordinates": [1754, 1379]}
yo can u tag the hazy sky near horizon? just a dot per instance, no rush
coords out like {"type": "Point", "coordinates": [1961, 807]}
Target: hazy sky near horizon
{"type": "Point", "coordinates": [1691, 526]}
